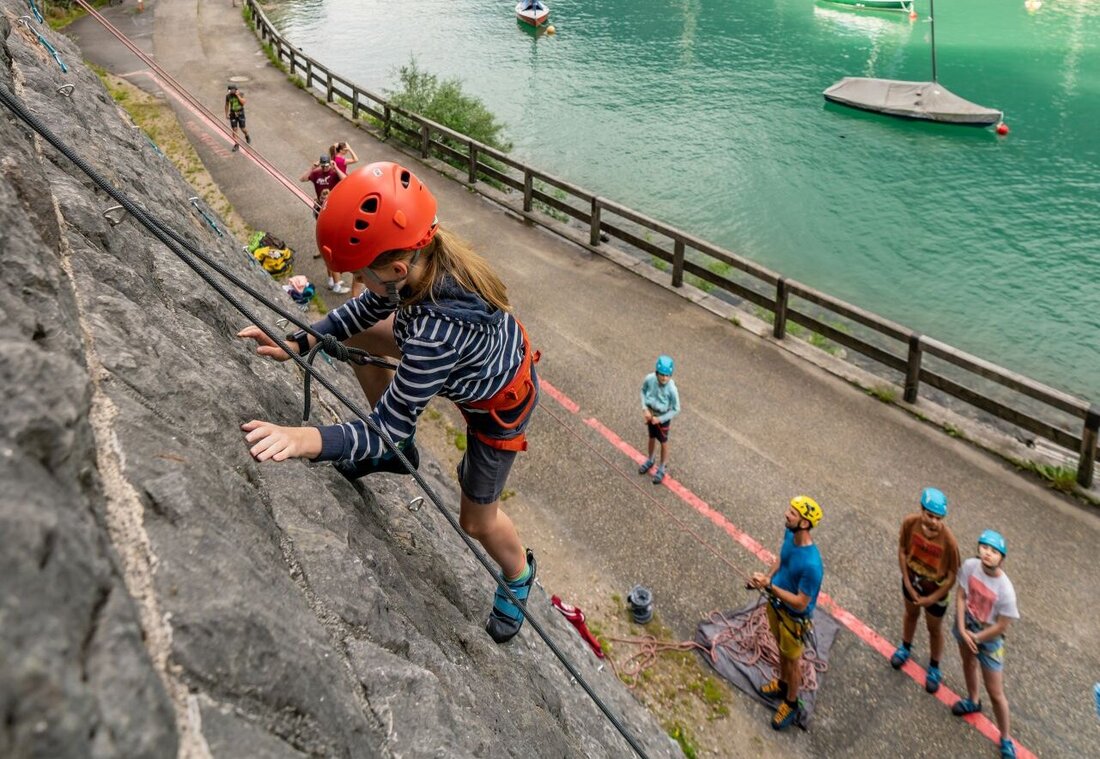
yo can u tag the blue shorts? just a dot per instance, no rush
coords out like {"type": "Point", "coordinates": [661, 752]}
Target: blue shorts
{"type": "Point", "coordinates": [991, 653]}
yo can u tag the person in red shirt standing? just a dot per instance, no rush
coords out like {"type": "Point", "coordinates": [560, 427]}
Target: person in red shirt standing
{"type": "Point", "coordinates": [324, 174]}
{"type": "Point", "coordinates": [928, 555]}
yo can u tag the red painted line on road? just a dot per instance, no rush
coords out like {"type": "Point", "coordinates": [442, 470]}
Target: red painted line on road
{"type": "Point", "coordinates": [559, 396]}
{"type": "Point", "coordinates": [858, 627]}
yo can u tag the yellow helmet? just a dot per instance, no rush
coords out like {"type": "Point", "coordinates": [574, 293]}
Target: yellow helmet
{"type": "Point", "coordinates": [808, 508]}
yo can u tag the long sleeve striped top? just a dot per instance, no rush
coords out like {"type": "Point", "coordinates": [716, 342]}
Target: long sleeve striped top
{"type": "Point", "coordinates": [454, 345]}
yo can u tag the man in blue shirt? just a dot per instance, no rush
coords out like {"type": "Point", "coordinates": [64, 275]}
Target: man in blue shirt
{"type": "Point", "coordinates": [792, 587]}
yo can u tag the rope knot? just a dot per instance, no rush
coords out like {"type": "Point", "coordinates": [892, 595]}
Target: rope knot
{"type": "Point", "coordinates": [334, 348]}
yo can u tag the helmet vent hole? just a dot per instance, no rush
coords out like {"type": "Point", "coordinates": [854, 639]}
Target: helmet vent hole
{"type": "Point", "coordinates": [405, 179]}
{"type": "Point", "coordinates": [353, 241]}
{"type": "Point", "coordinates": [370, 205]}
{"type": "Point", "coordinates": [360, 225]}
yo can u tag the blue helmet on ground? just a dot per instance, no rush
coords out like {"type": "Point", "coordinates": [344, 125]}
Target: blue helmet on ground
{"type": "Point", "coordinates": [665, 365]}
{"type": "Point", "coordinates": [994, 540]}
{"type": "Point", "coordinates": [933, 500]}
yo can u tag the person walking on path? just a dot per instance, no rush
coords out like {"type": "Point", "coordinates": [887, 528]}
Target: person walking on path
{"type": "Point", "coordinates": [342, 155]}
{"type": "Point", "coordinates": [234, 111]}
{"type": "Point", "coordinates": [324, 174]}
{"type": "Point", "coordinates": [929, 559]}
{"type": "Point", "coordinates": [792, 586]}
{"type": "Point", "coordinates": [441, 310]}
{"type": "Point", "coordinates": [985, 606]}
{"type": "Point", "coordinates": [660, 402]}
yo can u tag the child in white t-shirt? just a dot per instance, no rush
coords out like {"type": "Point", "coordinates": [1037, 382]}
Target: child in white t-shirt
{"type": "Point", "coordinates": [985, 605]}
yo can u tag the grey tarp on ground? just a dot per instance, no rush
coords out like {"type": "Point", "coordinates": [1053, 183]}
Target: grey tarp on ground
{"type": "Point", "coordinates": [912, 100]}
{"type": "Point", "coordinates": [750, 677]}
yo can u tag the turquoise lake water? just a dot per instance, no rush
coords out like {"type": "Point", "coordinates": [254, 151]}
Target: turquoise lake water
{"type": "Point", "coordinates": [709, 116]}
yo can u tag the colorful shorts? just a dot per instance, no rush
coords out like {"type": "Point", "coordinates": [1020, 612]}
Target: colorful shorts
{"type": "Point", "coordinates": [991, 653]}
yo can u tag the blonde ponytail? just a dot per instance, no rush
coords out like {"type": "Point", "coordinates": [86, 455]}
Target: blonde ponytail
{"type": "Point", "coordinates": [447, 254]}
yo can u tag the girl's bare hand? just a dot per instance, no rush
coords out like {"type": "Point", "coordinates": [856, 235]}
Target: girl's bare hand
{"type": "Point", "coordinates": [265, 346]}
{"type": "Point", "coordinates": [270, 441]}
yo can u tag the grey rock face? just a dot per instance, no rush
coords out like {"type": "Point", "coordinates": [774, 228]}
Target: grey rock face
{"type": "Point", "coordinates": [163, 594]}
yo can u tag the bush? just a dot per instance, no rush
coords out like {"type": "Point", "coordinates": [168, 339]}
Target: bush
{"type": "Point", "coordinates": [444, 102]}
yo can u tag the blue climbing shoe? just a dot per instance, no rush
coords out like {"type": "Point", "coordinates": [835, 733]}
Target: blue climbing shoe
{"type": "Point", "coordinates": [784, 716]}
{"type": "Point", "coordinates": [933, 679]}
{"type": "Point", "coordinates": [1008, 749]}
{"type": "Point", "coordinates": [659, 475]}
{"type": "Point", "coordinates": [900, 657]}
{"type": "Point", "coordinates": [646, 466]}
{"type": "Point", "coordinates": [506, 619]}
{"type": "Point", "coordinates": [965, 706]}
{"type": "Point", "coordinates": [387, 462]}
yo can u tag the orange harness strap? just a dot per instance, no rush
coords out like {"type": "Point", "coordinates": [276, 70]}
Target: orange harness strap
{"type": "Point", "coordinates": [519, 392]}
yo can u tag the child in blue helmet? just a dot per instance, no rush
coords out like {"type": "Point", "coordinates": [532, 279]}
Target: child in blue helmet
{"type": "Point", "coordinates": [985, 605]}
{"type": "Point", "coordinates": [660, 402]}
{"type": "Point", "coordinates": [929, 558]}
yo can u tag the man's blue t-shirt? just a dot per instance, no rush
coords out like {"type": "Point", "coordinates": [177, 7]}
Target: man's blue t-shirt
{"type": "Point", "coordinates": [800, 571]}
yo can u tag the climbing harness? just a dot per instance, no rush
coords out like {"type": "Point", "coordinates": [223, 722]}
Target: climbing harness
{"type": "Point", "coordinates": [195, 259]}
{"type": "Point", "coordinates": [519, 393]}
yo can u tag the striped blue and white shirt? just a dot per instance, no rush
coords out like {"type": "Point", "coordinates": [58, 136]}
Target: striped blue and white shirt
{"type": "Point", "coordinates": [456, 346]}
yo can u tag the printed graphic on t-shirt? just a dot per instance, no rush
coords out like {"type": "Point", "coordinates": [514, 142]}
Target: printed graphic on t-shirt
{"type": "Point", "coordinates": [979, 599]}
{"type": "Point", "coordinates": [925, 556]}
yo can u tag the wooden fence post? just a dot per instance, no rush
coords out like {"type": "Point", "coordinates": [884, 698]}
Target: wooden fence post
{"type": "Point", "coordinates": [528, 189]}
{"type": "Point", "coordinates": [425, 141]}
{"type": "Point", "coordinates": [594, 224]}
{"type": "Point", "coordinates": [782, 293]}
{"type": "Point", "coordinates": [387, 117]}
{"type": "Point", "coordinates": [309, 73]}
{"type": "Point", "coordinates": [290, 56]}
{"type": "Point", "coordinates": [328, 86]}
{"type": "Point", "coordinates": [912, 369]}
{"type": "Point", "coordinates": [1087, 463]}
{"type": "Point", "coordinates": [678, 264]}
{"type": "Point", "coordinates": [472, 174]}
{"type": "Point", "coordinates": [355, 102]}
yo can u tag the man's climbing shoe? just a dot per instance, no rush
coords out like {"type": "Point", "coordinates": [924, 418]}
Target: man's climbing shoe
{"type": "Point", "coordinates": [659, 475]}
{"type": "Point", "coordinates": [506, 619]}
{"type": "Point", "coordinates": [933, 679]}
{"type": "Point", "coordinates": [784, 716]}
{"type": "Point", "coordinates": [646, 466]}
{"type": "Point", "coordinates": [1008, 749]}
{"type": "Point", "coordinates": [353, 470]}
{"type": "Point", "coordinates": [248, 139]}
{"type": "Point", "coordinates": [965, 706]}
{"type": "Point", "coordinates": [900, 657]}
{"type": "Point", "coordinates": [236, 146]}
{"type": "Point", "coordinates": [772, 689]}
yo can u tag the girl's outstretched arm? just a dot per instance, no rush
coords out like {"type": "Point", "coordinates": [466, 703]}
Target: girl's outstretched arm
{"type": "Point", "coordinates": [270, 441]}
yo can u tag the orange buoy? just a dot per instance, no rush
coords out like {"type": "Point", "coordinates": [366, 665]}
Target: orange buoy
{"type": "Point", "coordinates": [912, 15]}
{"type": "Point", "coordinates": [1002, 129]}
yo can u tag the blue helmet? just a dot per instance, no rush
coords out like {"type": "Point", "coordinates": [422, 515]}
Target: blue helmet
{"type": "Point", "coordinates": [994, 540]}
{"type": "Point", "coordinates": [665, 365]}
{"type": "Point", "coordinates": [933, 500]}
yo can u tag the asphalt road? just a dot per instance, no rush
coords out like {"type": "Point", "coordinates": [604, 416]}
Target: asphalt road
{"type": "Point", "coordinates": [759, 426]}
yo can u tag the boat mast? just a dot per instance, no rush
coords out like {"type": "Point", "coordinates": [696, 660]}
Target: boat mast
{"type": "Point", "coordinates": [932, 21]}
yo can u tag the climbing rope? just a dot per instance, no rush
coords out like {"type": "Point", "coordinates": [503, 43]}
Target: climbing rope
{"type": "Point", "coordinates": [191, 256]}
{"type": "Point", "coordinates": [26, 21]}
{"type": "Point", "coordinates": [37, 13]}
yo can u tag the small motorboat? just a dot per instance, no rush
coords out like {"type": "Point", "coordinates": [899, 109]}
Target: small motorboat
{"type": "Point", "coordinates": [877, 5]}
{"type": "Point", "coordinates": [533, 12]}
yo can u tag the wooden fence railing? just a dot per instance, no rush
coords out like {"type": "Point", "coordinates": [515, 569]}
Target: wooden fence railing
{"type": "Point", "coordinates": [884, 342]}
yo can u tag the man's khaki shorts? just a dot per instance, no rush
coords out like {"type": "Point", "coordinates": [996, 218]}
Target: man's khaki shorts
{"type": "Point", "coordinates": [787, 632]}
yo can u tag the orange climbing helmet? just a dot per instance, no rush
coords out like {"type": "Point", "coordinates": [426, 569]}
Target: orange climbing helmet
{"type": "Point", "coordinates": [379, 208]}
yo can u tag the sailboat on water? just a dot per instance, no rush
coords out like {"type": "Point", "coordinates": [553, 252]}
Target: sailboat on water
{"type": "Point", "coordinates": [929, 101]}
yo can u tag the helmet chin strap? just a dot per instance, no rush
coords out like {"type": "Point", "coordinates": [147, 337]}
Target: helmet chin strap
{"type": "Point", "coordinates": [393, 298]}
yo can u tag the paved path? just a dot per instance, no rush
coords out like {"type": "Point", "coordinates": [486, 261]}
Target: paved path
{"type": "Point", "coordinates": [759, 426]}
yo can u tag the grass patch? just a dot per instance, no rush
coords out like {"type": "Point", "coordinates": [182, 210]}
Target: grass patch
{"type": "Point", "coordinates": [735, 321]}
{"type": "Point", "coordinates": [660, 264]}
{"type": "Point", "coordinates": [884, 393]}
{"type": "Point", "coordinates": [61, 13]}
{"type": "Point", "coordinates": [952, 430]}
{"type": "Point", "coordinates": [1060, 478]}
{"type": "Point", "coordinates": [821, 342]}
{"type": "Point", "coordinates": [699, 282]}
{"type": "Point", "coordinates": [679, 733]}
{"type": "Point", "coordinates": [457, 437]}
{"type": "Point", "coordinates": [763, 314]}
